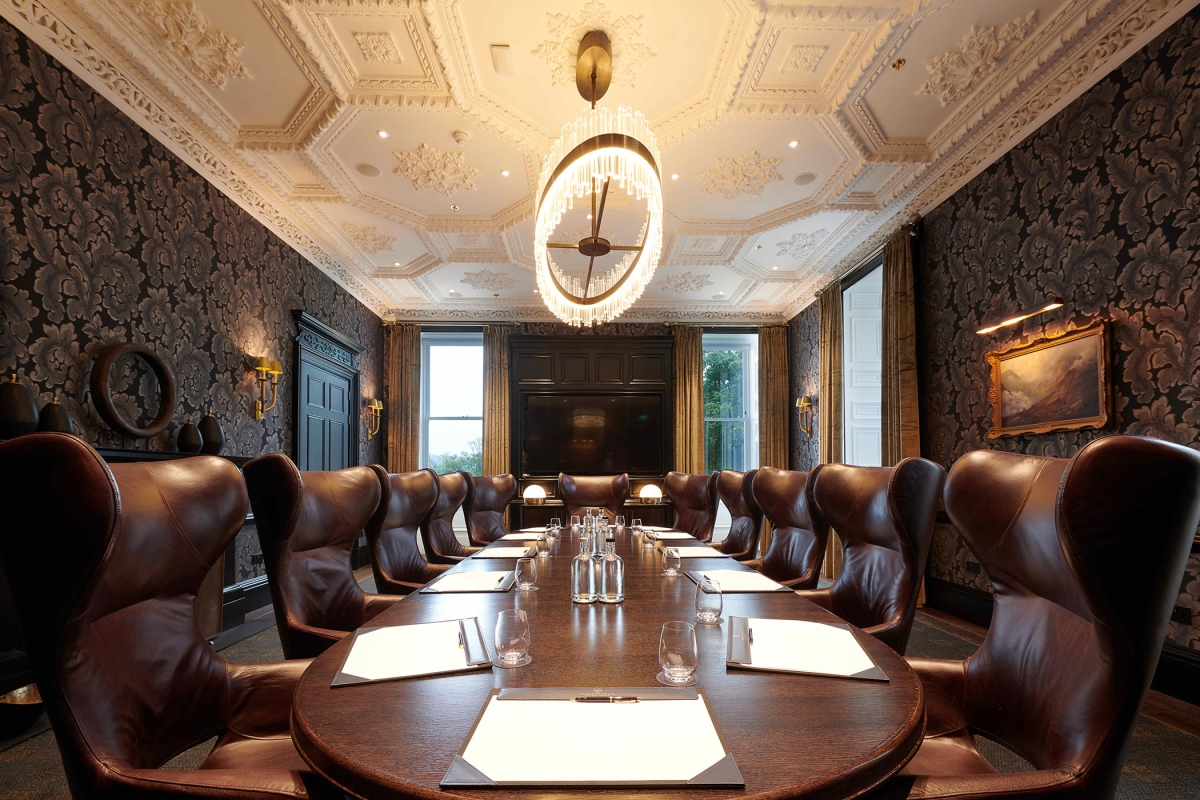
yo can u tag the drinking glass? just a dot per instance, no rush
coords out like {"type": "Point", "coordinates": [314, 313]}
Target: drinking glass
{"type": "Point", "coordinates": [512, 639]}
{"type": "Point", "coordinates": [576, 527]}
{"type": "Point", "coordinates": [619, 521]}
{"type": "Point", "coordinates": [671, 562]}
{"type": "Point", "coordinates": [708, 602]}
{"type": "Point", "coordinates": [527, 575]}
{"type": "Point", "coordinates": [543, 546]}
{"type": "Point", "coordinates": [677, 654]}
{"type": "Point", "coordinates": [647, 538]}
{"type": "Point", "coordinates": [556, 523]}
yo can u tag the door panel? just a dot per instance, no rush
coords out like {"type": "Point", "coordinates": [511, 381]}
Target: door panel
{"type": "Point", "coordinates": [862, 371]}
{"type": "Point", "coordinates": [324, 437]}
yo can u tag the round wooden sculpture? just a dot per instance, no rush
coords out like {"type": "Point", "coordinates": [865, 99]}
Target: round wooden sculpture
{"type": "Point", "coordinates": [102, 394]}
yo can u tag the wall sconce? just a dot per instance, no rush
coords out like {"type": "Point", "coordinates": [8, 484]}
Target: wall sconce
{"type": "Point", "coordinates": [1049, 305]}
{"type": "Point", "coordinates": [534, 495]}
{"type": "Point", "coordinates": [264, 367]}
{"type": "Point", "coordinates": [374, 416]}
{"type": "Point", "coordinates": [807, 410]}
{"type": "Point", "coordinates": [650, 494]}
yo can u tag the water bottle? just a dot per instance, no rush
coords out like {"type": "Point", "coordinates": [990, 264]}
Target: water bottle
{"type": "Point", "coordinates": [583, 574]}
{"type": "Point", "coordinates": [612, 581]}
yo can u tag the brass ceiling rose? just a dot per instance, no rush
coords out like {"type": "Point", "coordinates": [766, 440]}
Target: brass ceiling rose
{"type": "Point", "coordinates": [593, 66]}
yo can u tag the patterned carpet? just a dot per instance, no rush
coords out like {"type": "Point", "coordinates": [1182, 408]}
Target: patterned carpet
{"type": "Point", "coordinates": [1163, 763]}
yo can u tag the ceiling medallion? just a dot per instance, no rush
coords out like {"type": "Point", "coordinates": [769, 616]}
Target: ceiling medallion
{"type": "Point", "coordinates": [598, 148]}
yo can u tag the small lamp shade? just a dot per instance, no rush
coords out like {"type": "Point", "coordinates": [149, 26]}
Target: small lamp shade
{"type": "Point", "coordinates": [534, 495]}
{"type": "Point", "coordinates": [650, 493]}
{"type": "Point", "coordinates": [276, 369]}
{"type": "Point", "coordinates": [263, 364]}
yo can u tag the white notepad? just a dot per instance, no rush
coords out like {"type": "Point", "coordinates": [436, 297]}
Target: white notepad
{"type": "Point", "coordinates": [405, 651]}
{"type": "Point", "coordinates": [656, 528]}
{"type": "Point", "coordinates": [522, 536]}
{"type": "Point", "coordinates": [504, 552]}
{"type": "Point", "coordinates": [699, 552]}
{"type": "Point", "coordinates": [741, 580]}
{"type": "Point", "coordinates": [668, 534]}
{"type": "Point", "coordinates": [468, 582]}
{"type": "Point", "coordinates": [530, 530]}
{"type": "Point", "coordinates": [791, 645]}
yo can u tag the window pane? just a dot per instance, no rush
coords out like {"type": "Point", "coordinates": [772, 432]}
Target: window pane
{"type": "Point", "coordinates": [725, 445]}
{"type": "Point", "coordinates": [456, 444]}
{"type": "Point", "coordinates": [723, 391]}
{"type": "Point", "coordinates": [455, 383]}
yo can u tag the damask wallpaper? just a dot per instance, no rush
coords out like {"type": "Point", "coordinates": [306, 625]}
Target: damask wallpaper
{"type": "Point", "coordinates": [105, 236]}
{"type": "Point", "coordinates": [804, 334]}
{"type": "Point", "coordinates": [1102, 207]}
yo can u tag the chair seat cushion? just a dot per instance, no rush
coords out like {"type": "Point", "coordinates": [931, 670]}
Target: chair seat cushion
{"type": "Point", "coordinates": [234, 751]}
{"type": "Point", "coordinates": [953, 753]}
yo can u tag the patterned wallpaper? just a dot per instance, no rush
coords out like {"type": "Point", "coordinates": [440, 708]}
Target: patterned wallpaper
{"type": "Point", "coordinates": [804, 333]}
{"type": "Point", "coordinates": [105, 236]}
{"type": "Point", "coordinates": [1101, 206]}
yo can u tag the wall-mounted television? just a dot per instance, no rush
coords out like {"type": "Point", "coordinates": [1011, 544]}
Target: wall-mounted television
{"type": "Point", "coordinates": [592, 434]}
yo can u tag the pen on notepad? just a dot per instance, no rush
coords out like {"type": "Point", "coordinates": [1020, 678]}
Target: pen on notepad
{"type": "Point", "coordinates": [591, 699]}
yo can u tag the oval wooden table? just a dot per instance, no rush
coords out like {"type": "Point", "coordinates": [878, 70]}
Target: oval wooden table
{"type": "Point", "coordinates": [792, 736]}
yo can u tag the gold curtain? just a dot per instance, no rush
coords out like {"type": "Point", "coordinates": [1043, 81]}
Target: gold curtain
{"type": "Point", "coordinates": [829, 411]}
{"type": "Point", "coordinates": [403, 396]}
{"type": "Point", "coordinates": [496, 436]}
{"type": "Point", "coordinates": [901, 428]}
{"type": "Point", "coordinates": [689, 399]}
{"type": "Point", "coordinates": [773, 393]}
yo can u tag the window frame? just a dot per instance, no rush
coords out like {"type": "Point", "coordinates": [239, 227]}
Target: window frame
{"type": "Point", "coordinates": [442, 339]}
{"type": "Point", "coordinates": [748, 344]}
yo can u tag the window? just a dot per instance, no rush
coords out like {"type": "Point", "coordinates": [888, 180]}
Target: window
{"type": "Point", "coordinates": [452, 402]}
{"type": "Point", "coordinates": [862, 370]}
{"type": "Point", "coordinates": [730, 401]}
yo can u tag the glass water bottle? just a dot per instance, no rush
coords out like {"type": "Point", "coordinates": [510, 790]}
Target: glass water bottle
{"type": "Point", "coordinates": [583, 575]}
{"type": "Point", "coordinates": [612, 580]}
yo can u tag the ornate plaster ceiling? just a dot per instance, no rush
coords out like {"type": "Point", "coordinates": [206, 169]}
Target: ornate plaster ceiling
{"type": "Point", "coordinates": [280, 103]}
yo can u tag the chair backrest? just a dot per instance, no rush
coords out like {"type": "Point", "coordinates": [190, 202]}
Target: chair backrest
{"type": "Point", "coordinates": [1085, 558]}
{"type": "Point", "coordinates": [581, 492]}
{"type": "Point", "coordinates": [406, 499]}
{"type": "Point", "coordinates": [113, 640]}
{"type": "Point", "coordinates": [308, 522]}
{"type": "Point", "coordinates": [437, 529]}
{"type": "Point", "coordinates": [798, 531]}
{"type": "Point", "coordinates": [487, 498]}
{"type": "Point", "coordinates": [695, 501]}
{"type": "Point", "coordinates": [746, 517]}
{"type": "Point", "coordinates": [884, 517]}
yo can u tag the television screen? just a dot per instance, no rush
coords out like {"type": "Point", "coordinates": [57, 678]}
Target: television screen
{"type": "Point", "coordinates": [592, 434]}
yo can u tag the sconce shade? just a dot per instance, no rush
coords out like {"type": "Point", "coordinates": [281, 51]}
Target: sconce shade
{"type": "Point", "coordinates": [263, 364]}
{"type": "Point", "coordinates": [1049, 305]}
{"type": "Point", "coordinates": [276, 368]}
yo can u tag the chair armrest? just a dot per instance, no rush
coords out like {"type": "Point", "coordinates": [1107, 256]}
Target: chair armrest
{"type": "Point", "coordinates": [888, 632]}
{"type": "Point", "coordinates": [819, 596]}
{"type": "Point", "coordinates": [1042, 784]}
{"type": "Point", "coordinates": [944, 683]}
{"type": "Point", "coordinates": [260, 696]}
{"type": "Point", "coordinates": [309, 641]}
{"type": "Point", "coordinates": [376, 604]}
{"type": "Point", "coordinates": [122, 781]}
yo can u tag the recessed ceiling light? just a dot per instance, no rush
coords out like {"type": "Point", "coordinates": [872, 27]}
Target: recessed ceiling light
{"type": "Point", "coordinates": [395, 263]}
{"type": "Point", "coordinates": [774, 267]}
{"type": "Point", "coordinates": [453, 293]}
{"type": "Point", "coordinates": [793, 143]}
{"type": "Point", "coordinates": [454, 206]}
{"type": "Point", "coordinates": [589, 216]}
{"type": "Point", "coordinates": [370, 170]}
{"type": "Point", "coordinates": [674, 176]}
{"type": "Point", "coordinates": [898, 63]}
{"type": "Point", "coordinates": [719, 296]}
{"type": "Point", "coordinates": [504, 172]}
{"type": "Point", "coordinates": [382, 134]}
{"type": "Point", "coordinates": [535, 291]}
{"type": "Point", "coordinates": [804, 178]}
{"type": "Point", "coordinates": [758, 247]}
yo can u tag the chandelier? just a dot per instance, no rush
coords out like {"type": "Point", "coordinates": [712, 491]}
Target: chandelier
{"type": "Point", "coordinates": [599, 149]}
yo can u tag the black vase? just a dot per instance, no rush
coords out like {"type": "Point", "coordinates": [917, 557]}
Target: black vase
{"type": "Point", "coordinates": [18, 411]}
{"type": "Point", "coordinates": [213, 434]}
{"type": "Point", "coordinates": [55, 418]}
{"type": "Point", "coordinates": [189, 440]}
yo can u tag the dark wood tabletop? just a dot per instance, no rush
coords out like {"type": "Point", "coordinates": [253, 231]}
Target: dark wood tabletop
{"type": "Point", "coordinates": [792, 736]}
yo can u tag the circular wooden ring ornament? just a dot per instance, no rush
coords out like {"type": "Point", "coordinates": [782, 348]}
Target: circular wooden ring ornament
{"type": "Point", "coordinates": [102, 394]}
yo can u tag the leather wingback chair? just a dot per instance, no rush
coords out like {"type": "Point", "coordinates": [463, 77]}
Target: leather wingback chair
{"type": "Point", "coordinates": [487, 499]}
{"type": "Point", "coordinates": [406, 499]}
{"type": "Point", "coordinates": [1085, 558]}
{"type": "Point", "coordinates": [733, 488]}
{"type": "Point", "coordinates": [437, 529]}
{"type": "Point", "coordinates": [884, 517]}
{"type": "Point", "coordinates": [695, 500]}
{"type": "Point", "coordinates": [580, 493]}
{"type": "Point", "coordinates": [308, 523]}
{"type": "Point", "coordinates": [799, 532]}
{"type": "Point", "coordinates": [127, 679]}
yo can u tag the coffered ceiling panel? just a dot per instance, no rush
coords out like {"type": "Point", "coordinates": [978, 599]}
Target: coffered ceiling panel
{"type": "Point", "coordinates": [892, 105]}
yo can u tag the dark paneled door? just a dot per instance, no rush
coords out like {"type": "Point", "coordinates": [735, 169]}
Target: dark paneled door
{"type": "Point", "coordinates": [324, 435]}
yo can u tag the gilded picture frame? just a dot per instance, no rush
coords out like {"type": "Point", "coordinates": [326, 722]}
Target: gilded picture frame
{"type": "Point", "coordinates": [1059, 383]}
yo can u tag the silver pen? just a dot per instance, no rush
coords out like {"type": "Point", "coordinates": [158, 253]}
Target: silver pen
{"type": "Point", "coordinates": [609, 699]}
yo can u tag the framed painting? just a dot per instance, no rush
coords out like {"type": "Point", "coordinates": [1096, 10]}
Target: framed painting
{"type": "Point", "coordinates": [1054, 384]}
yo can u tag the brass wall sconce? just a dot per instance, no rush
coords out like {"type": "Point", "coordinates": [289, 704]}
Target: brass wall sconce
{"type": "Point", "coordinates": [264, 367]}
{"type": "Point", "coordinates": [807, 410]}
{"type": "Point", "coordinates": [1049, 305]}
{"type": "Point", "coordinates": [374, 416]}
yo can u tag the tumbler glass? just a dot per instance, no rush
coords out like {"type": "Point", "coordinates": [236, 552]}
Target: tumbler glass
{"type": "Point", "coordinates": [671, 562]}
{"type": "Point", "coordinates": [543, 546]}
{"type": "Point", "coordinates": [677, 654]}
{"type": "Point", "coordinates": [512, 639]}
{"type": "Point", "coordinates": [708, 602]}
{"type": "Point", "coordinates": [526, 574]}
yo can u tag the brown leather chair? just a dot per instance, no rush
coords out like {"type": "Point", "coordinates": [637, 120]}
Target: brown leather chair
{"type": "Point", "coordinates": [308, 523]}
{"type": "Point", "coordinates": [407, 499]}
{"type": "Point", "coordinates": [113, 640]}
{"type": "Point", "coordinates": [695, 500]}
{"type": "Point", "coordinates": [799, 532]}
{"type": "Point", "coordinates": [580, 493]}
{"type": "Point", "coordinates": [488, 497]}
{"type": "Point", "coordinates": [884, 517]}
{"type": "Point", "coordinates": [437, 529]}
{"type": "Point", "coordinates": [1085, 557]}
{"type": "Point", "coordinates": [733, 488]}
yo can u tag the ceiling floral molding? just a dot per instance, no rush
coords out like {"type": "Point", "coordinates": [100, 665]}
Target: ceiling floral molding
{"type": "Point", "coordinates": [490, 281]}
{"type": "Point", "coordinates": [429, 168]}
{"type": "Point", "coordinates": [954, 73]}
{"type": "Point", "coordinates": [801, 244]}
{"type": "Point", "coordinates": [368, 237]}
{"type": "Point", "coordinates": [629, 53]}
{"type": "Point", "coordinates": [211, 52]}
{"type": "Point", "coordinates": [684, 282]}
{"type": "Point", "coordinates": [749, 174]}
{"type": "Point", "coordinates": [378, 47]}
{"type": "Point", "coordinates": [802, 59]}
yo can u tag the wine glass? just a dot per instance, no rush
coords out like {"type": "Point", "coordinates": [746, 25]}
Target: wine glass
{"type": "Point", "coordinates": [526, 574]}
{"type": "Point", "coordinates": [543, 546]}
{"type": "Point", "coordinates": [677, 654]}
{"type": "Point", "coordinates": [512, 639]}
{"type": "Point", "coordinates": [708, 602]}
{"type": "Point", "coordinates": [671, 562]}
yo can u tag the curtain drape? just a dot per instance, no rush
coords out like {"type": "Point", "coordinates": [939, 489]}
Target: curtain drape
{"type": "Point", "coordinates": [829, 410]}
{"type": "Point", "coordinates": [689, 399]}
{"type": "Point", "coordinates": [901, 432]}
{"type": "Point", "coordinates": [496, 437]}
{"type": "Point", "coordinates": [773, 392]}
{"type": "Point", "coordinates": [403, 396]}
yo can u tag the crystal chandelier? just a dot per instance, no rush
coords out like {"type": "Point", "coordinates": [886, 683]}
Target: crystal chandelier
{"type": "Point", "coordinates": [600, 148]}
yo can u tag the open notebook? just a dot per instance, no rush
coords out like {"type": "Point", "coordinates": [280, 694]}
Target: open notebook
{"type": "Point", "coordinates": [490, 581]}
{"type": "Point", "coordinates": [792, 645]}
{"type": "Point", "coordinates": [738, 580]}
{"type": "Point", "coordinates": [406, 651]}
